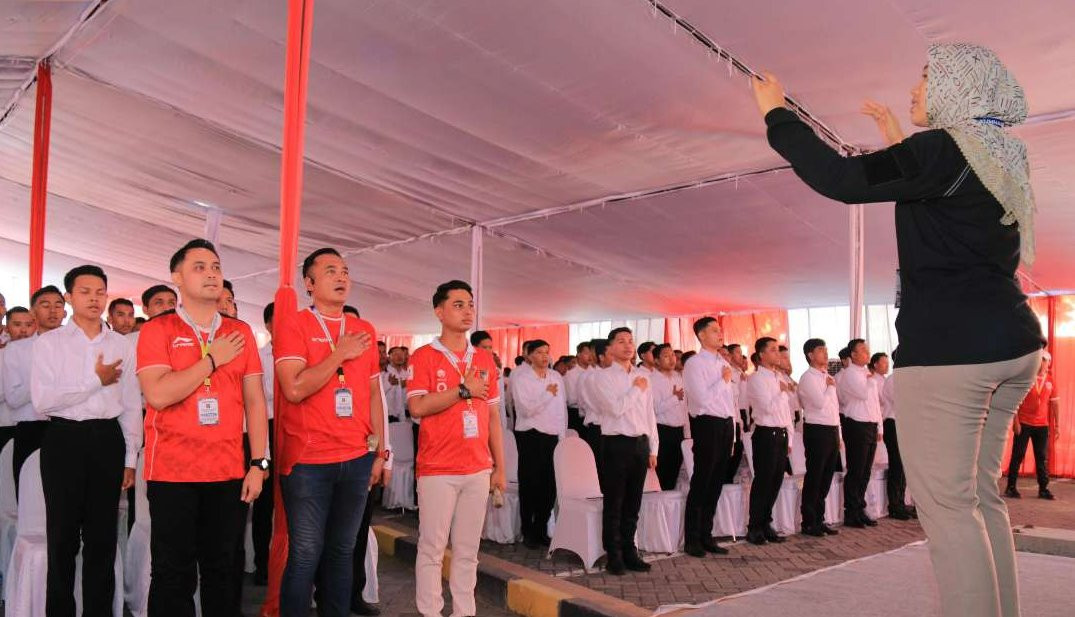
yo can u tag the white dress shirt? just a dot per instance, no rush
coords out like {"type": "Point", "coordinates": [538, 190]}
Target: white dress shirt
{"type": "Point", "coordinates": [536, 407]}
{"type": "Point", "coordinates": [670, 410]}
{"type": "Point", "coordinates": [267, 376]}
{"type": "Point", "coordinates": [708, 394]}
{"type": "Point", "coordinates": [888, 397]}
{"type": "Point", "coordinates": [859, 399]}
{"type": "Point", "coordinates": [818, 398]}
{"type": "Point", "coordinates": [743, 396]}
{"type": "Point", "coordinates": [571, 385]}
{"type": "Point", "coordinates": [395, 395]}
{"type": "Point", "coordinates": [64, 382]}
{"type": "Point", "coordinates": [624, 408]}
{"type": "Point", "coordinates": [768, 401]}
{"type": "Point", "coordinates": [590, 415]}
{"type": "Point", "coordinates": [5, 413]}
{"type": "Point", "coordinates": [18, 358]}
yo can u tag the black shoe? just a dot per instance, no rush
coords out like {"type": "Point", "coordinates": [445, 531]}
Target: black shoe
{"type": "Point", "coordinates": [829, 531]}
{"type": "Point", "coordinates": [633, 562]}
{"type": "Point", "coordinates": [545, 540]}
{"type": "Point", "coordinates": [899, 514]}
{"type": "Point", "coordinates": [614, 565]}
{"type": "Point", "coordinates": [855, 521]}
{"type": "Point", "coordinates": [261, 578]}
{"type": "Point", "coordinates": [756, 537]}
{"type": "Point", "coordinates": [772, 536]}
{"type": "Point", "coordinates": [913, 511]}
{"type": "Point", "coordinates": [1046, 494]}
{"type": "Point", "coordinates": [817, 531]}
{"type": "Point", "coordinates": [1012, 492]}
{"type": "Point", "coordinates": [694, 549]}
{"type": "Point", "coordinates": [712, 547]}
{"type": "Point", "coordinates": [361, 607]}
{"type": "Point", "coordinates": [869, 522]}
{"type": "Point", "coordinates": [531, 543]}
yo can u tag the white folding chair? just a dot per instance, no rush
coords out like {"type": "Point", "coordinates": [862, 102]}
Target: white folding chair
{"type": "Point", "coordinates": [400, 490]}
{"type": "Point", "coordinates": [660, 519]}
{"type": "Point", "coordinates": [877, 493]}
{"type": "Point", "coordinates": [834, 502]}
{"type": "Point", "coordinates": [798, 453]}
{"type": "Point", "coordinates": [578, 500]}
{"type": "Point", "coordinates": [372, 591]}
{"type": "Point", "coordinates": [9, 510]}
{"type": "Point", "coordinates": [683, 482]}
{"type": "Point", "coordinates": [504, 525]}
{"type": "Point", "coordinates": [24, 583]}
{"type": "Point", "coordinates": [786, 514]}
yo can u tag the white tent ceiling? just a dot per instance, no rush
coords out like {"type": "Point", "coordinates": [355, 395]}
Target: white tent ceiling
{"type": "Point", "coordinates": [428, 116]}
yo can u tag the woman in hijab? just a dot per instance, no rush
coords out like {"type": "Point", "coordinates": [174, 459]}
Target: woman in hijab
{"type": "Point", "coordinates": [969, 343]}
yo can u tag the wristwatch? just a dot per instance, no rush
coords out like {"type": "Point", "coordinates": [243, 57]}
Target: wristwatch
{"type": "Point", "coordinates": [464, 392]}
{"type": "Point", "coordinates": [260, 463]}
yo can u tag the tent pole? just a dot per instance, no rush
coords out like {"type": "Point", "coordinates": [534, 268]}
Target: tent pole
{"type": "Point", "coordinates": [858, 261]}
{"type": "Point", "coordinates": [39, 180]}
{"type": "Point", "coordinates": [477, 266]}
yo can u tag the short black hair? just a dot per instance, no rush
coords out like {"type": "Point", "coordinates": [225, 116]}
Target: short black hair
{"type": "Point", "coordinates": [659, 349]}
{"type": "Point", "coordinates": [312, 257]}
{"type": "Point", "coordinates": [15, 310]}
{"type": "Point", "coordinates": [761, 343]}
{"type": "Point", "coordinates": [844, 354]}
{"type": "Point", "coordinates": [441, 294]}
{"type": "Point", "coordinates": [181, 254]}
{"type": "Point", "coordinates": [266, 313]}
{"type": "Point", "coordinates": [875, 357]}
{"type": "Point", "coordinates": [852, 344]}
{"type": "Point", "coordinates": [391, 349]}
{"type": "Point", "coordinates": [644, 347]}
{"type": "Point", "coordinates": [755, 358]}
{"type": "Point", "coordinates": [731, 347]}
{"type": "Point", "coordinates": [382, 344]}
{"type": "Point", "coordinates": [478, 336]}
{"type": "Point", "coordinates": [702, 324]}
{"type": "Point", "coordinates": [600, 346]}
{"type": "Point", "coordinates": [347, 308]}
{"type": "Point", "coordinates": [783, 348]}
{"type": "Point", "coordinates": [519, 360]}
{"type": "Point", "coordinates": [687, 355]}
{"type": "Point", "coordinates": [616, 331]}
{"type": "Point", "coordinates": [119, 302]}
{"type": "Point", "coordinates": [229, 286]}
{"type": "Point", "coordinates": [140, 320]}
{"type": "Point", "coordinates": [532, 346]}
{"type": "Point", "coordinates": [812, 344]}
{"type": "Point", "coordinates": [583, 345]}
{"type": "Point", "coordinates": [44, 291]}
{"type": "Point", "coordinates": [148, 294]}
{"type": "Point", "coordinates": [86, 270]}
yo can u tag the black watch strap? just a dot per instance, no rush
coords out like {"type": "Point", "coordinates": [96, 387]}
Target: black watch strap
{"type": "Point", "coordinates": [260, 463]}
{"type": "Point", "coordinates": [464, 393]}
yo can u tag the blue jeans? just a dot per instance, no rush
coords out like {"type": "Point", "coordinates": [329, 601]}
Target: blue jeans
{"type": "Point", "coordinates": [324, 505]}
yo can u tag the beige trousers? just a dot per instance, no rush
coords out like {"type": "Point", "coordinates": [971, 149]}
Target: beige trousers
{"type": "Point", "coordinates": [953, 422]}
{"type": "Point", "coordinates": [449, 507]}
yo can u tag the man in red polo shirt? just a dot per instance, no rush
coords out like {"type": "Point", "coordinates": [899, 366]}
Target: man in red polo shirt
{"type": "Point", "coordinates": [1036, 415]}
{"type": "Point", "coordinates": [332, 428]}
{"type": "Point", "coordinates": [460, 454]}
{"type": "Point", "coordinates": [201, 376]}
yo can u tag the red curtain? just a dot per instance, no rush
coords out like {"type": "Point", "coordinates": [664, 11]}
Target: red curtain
{"type": "Point", "coordinates": [398, 340]}
{"type": "Point", "coordinates": [508, 342]}
{"type": "Point", "coordinates": [742, 328]}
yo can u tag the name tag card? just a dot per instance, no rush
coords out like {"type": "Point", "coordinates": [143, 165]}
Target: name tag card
{"type": "Point", "coordinates": [208, 411]}
{"type": "Point", "coordinates": [344, 403]}
{"type": "Point", "coordinates": [470, 424]}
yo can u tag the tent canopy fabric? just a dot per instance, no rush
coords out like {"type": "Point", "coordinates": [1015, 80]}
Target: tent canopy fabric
{"type": "Point", "coordinates": [531, 119]}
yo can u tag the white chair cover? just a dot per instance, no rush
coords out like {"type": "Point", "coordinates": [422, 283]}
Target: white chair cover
{"type": "Point", "coordinates": [798, 453]}
{"type": "Point", "coordinates": [686, 470]}
{"type": "Point", "coordinates": [660, 519]}
{"type": "Point", "coordinates": [400, 490]}
{"type": "Point", "coordinates": [834, 503]}
{"type": "Point", "coordinates": [579, 503]}
{"type": "Point", "coordinates": [748, 452]}
{"type": "Point", "coordinates": [881, 458]}
{"type": "Point", "coordinates": [372, 591]}
{"type": "Point", "coordinates": [505, 525]}
{"type": "Point", "coordinates": [9, 510]}
{"type": "Point", "coordinates": [731, 517]}
{"type": "Point", "coordinates": [877, 494]}
{"type": "Point", "coordinates": [24, 583]}
{"type": "Point", "coordinates": [786, 515]}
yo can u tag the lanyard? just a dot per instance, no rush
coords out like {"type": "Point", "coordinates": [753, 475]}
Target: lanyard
{"type": "Point", "coordinates": [332, 343]}
{"type": "Point", "coordinates": [468, 357]}
{"type": "Point", "coordinates": [203, 344]}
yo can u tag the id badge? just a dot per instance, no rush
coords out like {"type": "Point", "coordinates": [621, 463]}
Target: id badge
{"type": "Point", "coordinates": [344, 403]}
{"type": "Point", "coordinates": [208, 411]}
{"type": "Point", "coordinates": [470, 424]}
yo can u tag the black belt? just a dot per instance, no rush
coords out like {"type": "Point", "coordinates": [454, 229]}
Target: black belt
{"type": "Point", "coordinates": [771, 429]}
{"type": "Point", "coordinates": [90, 424]}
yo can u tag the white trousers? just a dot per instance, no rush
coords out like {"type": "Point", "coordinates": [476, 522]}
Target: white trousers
{"type": "Point", "coordinates": [449, 507]}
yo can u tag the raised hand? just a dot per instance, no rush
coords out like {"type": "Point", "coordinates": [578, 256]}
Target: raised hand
{"type": "Point", "coordinates": [107, 373]}
{"type": "Point", "coordinates": [353, 345]}
{"type": "Point", "coordinates": [726, 374]}
{"type": "Point", "coordinates": [886, 121]}
{"type": "Point", "coordinates": [478, 387]}
{"type": "Point", "coordinates": [829, 381]}
{"type": "Point", "coordinates": [677, 392]}
{"type": "Point", "coordinates": [225, 349]}
{"type": "Point", "coordinates": [552, 389]}
{"type": "Point", "coordinates": [768, 93]}
{"type": "Point", "coordinates": [641, 383]}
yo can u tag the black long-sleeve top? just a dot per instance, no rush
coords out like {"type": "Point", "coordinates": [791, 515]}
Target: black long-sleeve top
{"type": "Point", "coordinates": [960, 300]}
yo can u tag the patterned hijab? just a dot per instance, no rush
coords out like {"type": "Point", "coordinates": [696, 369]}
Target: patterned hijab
{"type": "Point", "coordinates": [970, 94]}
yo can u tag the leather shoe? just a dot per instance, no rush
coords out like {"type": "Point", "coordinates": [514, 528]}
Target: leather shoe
{"type": "Point", "coordinates": [361, 607]}
{"type": "Point", "coordinates": [829, 531]}
{"type": "Point", "coordinates": [614, 565]}
{"type": "Point", "coordinates": [1012, 492]}
{"type": "Point", "coordinates": [694, 549]}
{"type": "Point", "coordinates": [772, 536]}
{"type": "Point", "coordinates": [633, 562]}
{"type": "Point", "coordinates": [531, 543]}
{"type": "Point", "coordinates": [756, 537]}
{"type": "Point", "coordinates": [1046, 494]}
{"type": "Point", "coordinates": [854, 521]}
{"type": "Point", "coordinates": [817, 532]}
{"type": "Point", "coordinates": [712, 547]}
{"type": "Point", "coordinates": [869, 522]}
{"type": "Point", "coordinates": [899, 514]}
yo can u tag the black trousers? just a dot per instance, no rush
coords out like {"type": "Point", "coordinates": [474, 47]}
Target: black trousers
{"type": "Point", "coordinates": [732, 469]}
{"type": "Point", "coordinates": [625, 460]}
{"type": "Point", "coordinates": [574, 419]}
{"type": "Point", "coordinates": [7, 433]}
{"type": "Point", "coordinates": [669, 455]}
{"type": "Point", "coordinates": [81, 474]}
{"type": "Point", "coordinates": [591, 434]}
{"type": "Point", "coordinates": [28, 438]}
{"type": "Point", "coordinates": [770, 460]}
{"type": "Point", "coordinates": [362, 541]}
{"type": "Point", "coordinates": [193, 535]}
{"type": "Point", "coordinates": [414, 484]}
{"type": "Point", "coordinates": [822, 446]}
{"type": "Point", "coordinates": [1040, 436]}
{"type": "Point", "coordinates": [896, 484]}
{"type": "Point", "coordinates": [860, 443]}
{"type": "Point", "coordinates": [537, 481]}
{"type": "Point", "coordinates": [261, 517]}
{"type": "Point", "coordinates": [712, 452]}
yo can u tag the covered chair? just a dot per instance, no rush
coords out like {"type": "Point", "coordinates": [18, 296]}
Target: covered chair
{"type": "Point", "coordinates": [730, 519]}
{"type": "Point", "coordinates": [9, 509]}
{"type": "Point", "coordinates": [24, 580]}
{"type": "Point", "coordinates": [400, 490]}
{"type": "Point", "coordinates": [660, 519]}
{"type": "Point", "coordinates": [504, 525]}
{"type": "Point", "coordinates": [578, 501]}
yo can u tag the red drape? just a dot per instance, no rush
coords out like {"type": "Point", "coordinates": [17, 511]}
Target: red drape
{"type": "Point", "coordinates": [508, 342]}
{"type": "Point", "coordinates": [398, 340]}
{"type": "Point", "coordinates": [296, 71]}
{"type": "Point", "coordinates": [39, 180]}
{"type": "Point", "coordinates": [742, 328]}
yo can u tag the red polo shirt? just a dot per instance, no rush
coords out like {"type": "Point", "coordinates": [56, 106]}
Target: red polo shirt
{"type": "Point", "coordinates": [442, 447]}
{"type": "Point", "coordinates": [1035, 408]}
{"type": "Point", "coordinates": [312, 431]}
{"type": "Point", "coordinates": [178, 447]}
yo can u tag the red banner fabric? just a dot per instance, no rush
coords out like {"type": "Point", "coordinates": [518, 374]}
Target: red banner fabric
{"type": "Point", "coordinates": [39, 180]}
